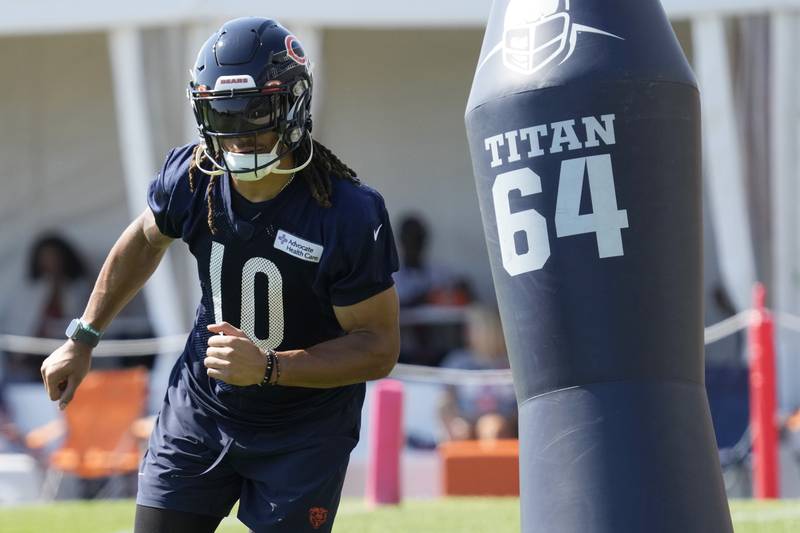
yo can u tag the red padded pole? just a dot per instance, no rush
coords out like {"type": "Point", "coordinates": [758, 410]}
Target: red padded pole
{"type": "Point", "coordinates": [385, 443]}
{"type": "Point", "coordinates": [763, 430]}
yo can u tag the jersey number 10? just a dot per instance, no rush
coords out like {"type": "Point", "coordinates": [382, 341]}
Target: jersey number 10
{"type": "Point", "coordinates": [274, 303]}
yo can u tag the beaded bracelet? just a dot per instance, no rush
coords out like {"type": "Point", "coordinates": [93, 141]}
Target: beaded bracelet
{"type": "Point", "coordinates": [271, 362]}
{"type": "Point", "coordinates": [277, 368]}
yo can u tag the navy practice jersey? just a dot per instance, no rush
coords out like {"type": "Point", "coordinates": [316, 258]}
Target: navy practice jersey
{"type": "Point", "coordinates": [274, 269]}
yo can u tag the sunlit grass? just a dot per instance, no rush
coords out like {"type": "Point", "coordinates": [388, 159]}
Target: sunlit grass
{"type": "Point", "coordinates": [451, 515]}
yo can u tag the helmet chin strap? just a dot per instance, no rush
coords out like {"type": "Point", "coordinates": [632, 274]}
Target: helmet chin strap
{"type": "Point", "coordinates": [304, 165]}
{"type": "Point", "coordinates": [198, 158]}
{"type": "Point", "coordinates": [221, 170]}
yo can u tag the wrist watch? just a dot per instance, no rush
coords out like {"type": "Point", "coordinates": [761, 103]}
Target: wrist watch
{"type": "Point", "coordinates": [80, 331]}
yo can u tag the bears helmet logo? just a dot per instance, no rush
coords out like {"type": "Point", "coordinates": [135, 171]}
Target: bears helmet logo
{"type": "Point", "coordinates": [317, 516]}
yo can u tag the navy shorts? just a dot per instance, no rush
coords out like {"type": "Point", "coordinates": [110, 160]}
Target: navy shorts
{"type": "Point", "coordinates": [285, 480]}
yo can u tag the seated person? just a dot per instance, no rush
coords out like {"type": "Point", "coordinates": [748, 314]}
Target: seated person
{"type": "Point", "coordinates": [54, 291]}
{"type": "Point", "coordinates": [420, 282]}
{"type": "Point", "coordinates": [11, 440]}
{"type": "Point", "coordinates": [482, 412]}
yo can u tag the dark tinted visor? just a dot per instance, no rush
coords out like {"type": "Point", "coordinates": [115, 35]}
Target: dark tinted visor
{"type": "Point", "coordinates": [242, 113]}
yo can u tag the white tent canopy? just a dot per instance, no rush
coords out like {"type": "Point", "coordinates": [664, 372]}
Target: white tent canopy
{"type": "Point", "coordinates": [92, 15]}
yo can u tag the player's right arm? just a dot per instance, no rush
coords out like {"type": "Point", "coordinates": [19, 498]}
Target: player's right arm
{"type": "Point", "coordinates": [130, 263]}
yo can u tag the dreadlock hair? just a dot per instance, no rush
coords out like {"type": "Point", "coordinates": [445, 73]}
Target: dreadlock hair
{"type": "Point", "coordinates": [317, 174]}
{"type": "Point", "coordinates": [198, 158]}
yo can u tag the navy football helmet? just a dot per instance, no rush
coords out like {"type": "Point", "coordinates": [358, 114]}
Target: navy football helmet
{"type": "Point", "coordinates": [252, 76]}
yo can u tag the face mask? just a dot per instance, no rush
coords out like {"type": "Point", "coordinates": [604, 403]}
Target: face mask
{"type": "Point", "coordinates": [242, 165]}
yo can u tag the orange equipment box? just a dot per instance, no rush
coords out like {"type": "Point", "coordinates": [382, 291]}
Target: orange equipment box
{"type": "Point", "coordinates": [480, 468]}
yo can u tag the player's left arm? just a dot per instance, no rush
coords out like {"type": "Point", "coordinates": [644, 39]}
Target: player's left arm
{"type": "Point", "coordinates": [368, 351]}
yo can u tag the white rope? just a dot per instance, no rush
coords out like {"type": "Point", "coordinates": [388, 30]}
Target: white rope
{"type": "Point", "coordinates": [728, 327]}
{"type": "Point", "coordinates": [175, 343]}
{"type": "Point", "coordinates": [433, 315]}
{"type": "Point", "coordinates": [451, 376]}
{"type": "Point", "coordinates": [788, 321]}
{"type": "Point", "coordinates": [109, 348]}
{"type": "Point", "coordinates": [417, 373]}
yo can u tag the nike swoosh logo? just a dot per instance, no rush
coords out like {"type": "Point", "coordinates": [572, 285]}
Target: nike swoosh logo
{"type": "Point", "coordinates": [375, 234]}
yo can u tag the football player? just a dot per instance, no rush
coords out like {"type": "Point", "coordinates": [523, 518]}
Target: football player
{"type": "Point", "coordinates": [295, 258]}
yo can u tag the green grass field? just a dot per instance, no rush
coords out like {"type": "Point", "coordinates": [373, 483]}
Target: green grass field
{"type": "Point", "coordinates": [453, 515]}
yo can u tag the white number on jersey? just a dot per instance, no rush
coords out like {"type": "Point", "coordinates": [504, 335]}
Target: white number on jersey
{"type": "Point", "coordinates": [273, 304]}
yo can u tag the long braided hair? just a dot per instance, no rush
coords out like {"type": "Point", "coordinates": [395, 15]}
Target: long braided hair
{"type": "Point", "coordinates": [317, 174]}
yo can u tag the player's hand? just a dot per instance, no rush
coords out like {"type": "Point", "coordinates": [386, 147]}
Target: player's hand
{"type": "Point", "coordinates": [233, 358]}
{"type": "Point", "coordinates": [64, 370]}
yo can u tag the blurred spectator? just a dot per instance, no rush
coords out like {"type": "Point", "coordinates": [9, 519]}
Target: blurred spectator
{"type": "Point", "coordinates": [480, 411]}
{"type": "Point", "coordinates": [11, 440]}
{"type": "Point", "coordinates": [420, 282]}
{"type": "Point", "coordinates": [789, 438]}
{"type": "Point", "coordinates": [55, 292]}
{"type": "Point", "coordinates": [721, 299]}
{"type": "Point", "coordinates": [427, 293]}
{"type": "Point", "coordinates": [727, 374]}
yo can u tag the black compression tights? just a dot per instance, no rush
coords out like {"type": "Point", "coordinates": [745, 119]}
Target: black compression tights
{"type": "Point", "coordinates": [152, 520]}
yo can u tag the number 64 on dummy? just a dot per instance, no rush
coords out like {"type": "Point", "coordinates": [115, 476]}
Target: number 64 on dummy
{"type": "Point", "coordinates": [523, 235]}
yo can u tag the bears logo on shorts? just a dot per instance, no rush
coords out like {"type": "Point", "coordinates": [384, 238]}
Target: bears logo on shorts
{"type": "Point", "coordinates": [317, 516]}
